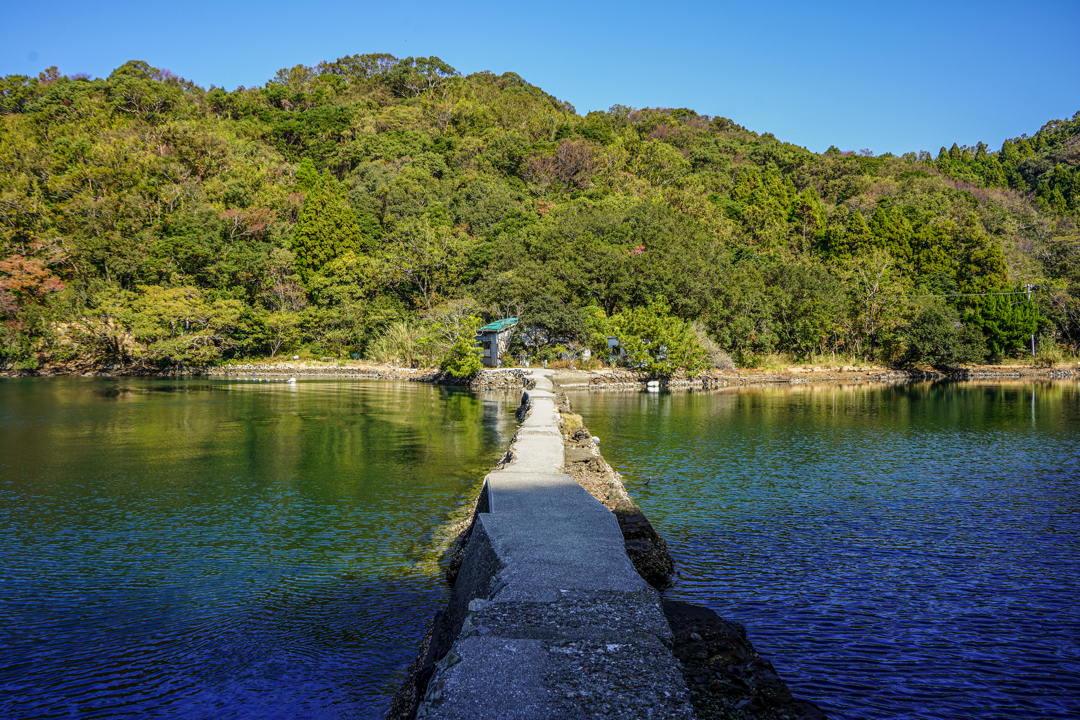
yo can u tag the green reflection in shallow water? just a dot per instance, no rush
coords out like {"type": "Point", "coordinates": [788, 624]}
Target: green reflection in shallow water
{"type": "Point", "coordinates": [211, 541]}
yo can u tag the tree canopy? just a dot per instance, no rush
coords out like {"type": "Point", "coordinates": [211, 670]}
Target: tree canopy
{"type": "Point", "coordinates": [147, 219]}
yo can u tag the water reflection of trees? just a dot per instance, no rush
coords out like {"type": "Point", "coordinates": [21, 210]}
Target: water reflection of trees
{"type": "Point", "coordinates": [978, 402]}
{"type": "Point", "coordinates": [267, 454]}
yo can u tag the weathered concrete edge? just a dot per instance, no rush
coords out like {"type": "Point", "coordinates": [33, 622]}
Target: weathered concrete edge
{"type": "Point", "coordinates": [544, 586]}
{"type": "Point", "coordinates": [500, 636]}
{"type": "Point", "coordinates": [745, 685]}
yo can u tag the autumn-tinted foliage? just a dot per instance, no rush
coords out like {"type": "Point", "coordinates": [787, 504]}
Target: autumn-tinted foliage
{"type": "Point", "coordinates": [145, 219]}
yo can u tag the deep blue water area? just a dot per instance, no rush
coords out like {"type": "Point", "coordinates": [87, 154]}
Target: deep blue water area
{"type": "Point", "coordinates": [226, 548]}
{"type": "Point", "coordinates": [900, 552]}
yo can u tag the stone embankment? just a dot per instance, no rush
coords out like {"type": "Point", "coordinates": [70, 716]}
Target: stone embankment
{"type": "Point", "coordinates": [607, 378]}
{"type": "Point", "coordinates": [554, 613]}
{"type": "Point", "coordinates": [368, 372]}
{"type": "Point", "coordinates": [501, 379]}
{"type": "Point", "coordinates": [848, 375]}
{"type": "Point", "coordinates": [504, 378]}
{"type": "Point", "coordinates": [634, 380]}
{"type": "Point", "coordinates": [985, 372]}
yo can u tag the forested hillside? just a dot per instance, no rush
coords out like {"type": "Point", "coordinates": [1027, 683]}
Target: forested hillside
{"type": "Point", "coordinates": [382, 207]}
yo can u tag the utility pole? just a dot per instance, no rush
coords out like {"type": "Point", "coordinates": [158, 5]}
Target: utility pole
{"type": "Point", "coordinates": [1028, 288]}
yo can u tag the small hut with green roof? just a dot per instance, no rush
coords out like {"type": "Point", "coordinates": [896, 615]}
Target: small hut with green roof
{"type": "Point", "coordinates": [494, 340]}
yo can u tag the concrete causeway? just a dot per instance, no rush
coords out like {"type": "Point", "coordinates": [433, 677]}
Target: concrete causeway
{"type": "Point", "coordinates": [554, 620]}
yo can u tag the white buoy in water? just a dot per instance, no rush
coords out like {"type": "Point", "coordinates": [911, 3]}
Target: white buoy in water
{"type": "Point", "coordinates": [292, 380]}
{"type": "Point", "coordinates": [653, 386]}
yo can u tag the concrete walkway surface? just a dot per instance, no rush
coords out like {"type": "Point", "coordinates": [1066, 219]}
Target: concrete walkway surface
{"type": "Point", "coordinates": [554, 620]}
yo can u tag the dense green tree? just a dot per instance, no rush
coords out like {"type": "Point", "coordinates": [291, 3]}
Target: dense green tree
{"type": "Point", "coordinates": [426, 258]}
{"type": "Point", "coordinates": [805, 302]}
{"type": "Point", "coordinates": [413, 76]}
{"type": "Point", "coordinates": [892, 233]}
{"type": "Point", "coordinates": [937, 337]}
{"type": "Point", "coordinates": [876, 292]}
{"type": "Point", "coordinates": [651, 338]}
{"type": "Point", "coordinates": [327, 227]}
{"type": "Point", "coordinates": [982, 265]}
{"type": "Point", "coordinates": [307, 176]}
{"type": "Point", "coordinates": [933, 254]}
{"type": "Point", "coordinates": [138, 89]}
{"type": "Point", "coordinates": [771, 307]}
{"type": "Point", "coordinates": [545, 321]}
{"type": "Point", "coordinates": [1006, 321]}
{"type": "Point", "coordinates": [858, 239]}
{"type": "Point", "coordinates": [452, 334]}
{"type": "Point", "coordinates": [179, 326]}
{"type": "Point", "coordinates": [809, 216]}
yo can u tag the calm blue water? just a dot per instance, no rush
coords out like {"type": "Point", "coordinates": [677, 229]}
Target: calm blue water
{"type": "Point", "coordinates": [909, 552]}
{"type": "Point", "coordinates": [221, 549]}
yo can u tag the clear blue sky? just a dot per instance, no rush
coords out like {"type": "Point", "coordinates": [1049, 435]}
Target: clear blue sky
{"type": "Point", "coordinates": [888, 76]}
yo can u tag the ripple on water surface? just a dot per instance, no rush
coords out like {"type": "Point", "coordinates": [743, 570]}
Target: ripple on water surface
{"type": "Point", "coordinates": [897, 553]}
{"type": "Point", "coordinates": [212, 549]}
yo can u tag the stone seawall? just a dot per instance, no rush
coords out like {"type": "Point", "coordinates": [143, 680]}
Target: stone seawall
{"type": "Point", "coordinates": [607, 378]}
{"type": "Point", "coordinates": [621, 378]}
{"type": "Point", "coordinates": [488, 379]}
{"type": "Point", "coordinates": [550, 617]}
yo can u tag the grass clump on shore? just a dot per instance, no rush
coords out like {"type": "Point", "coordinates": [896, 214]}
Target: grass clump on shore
{"type": "Point", "coordinates": [571, 422]}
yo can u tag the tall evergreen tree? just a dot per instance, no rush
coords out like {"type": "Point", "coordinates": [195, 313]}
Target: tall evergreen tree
{"type": "Point", "coordinates": [859, 237]}
{"type": "Point", "coordinates": [327, 228]}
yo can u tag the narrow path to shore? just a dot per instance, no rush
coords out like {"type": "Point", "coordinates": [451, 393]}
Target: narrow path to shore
{"type": "Point", "coordinates": [555, 611]}
{"type": "Point", "coordinates": [550, 617]}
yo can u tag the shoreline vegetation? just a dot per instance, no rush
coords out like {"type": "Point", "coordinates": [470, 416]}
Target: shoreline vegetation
{"type": "Point", "coordinates": [383, 208]}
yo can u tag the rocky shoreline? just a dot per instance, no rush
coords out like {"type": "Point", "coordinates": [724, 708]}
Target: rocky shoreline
{"type": "Point", "coordinates": [618, 378]}
{"type": "Point", "coordinates": [605, 378]}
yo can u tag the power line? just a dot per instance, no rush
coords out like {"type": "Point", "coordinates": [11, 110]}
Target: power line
{"type": "Point", "coordinates": [1022, 292]}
